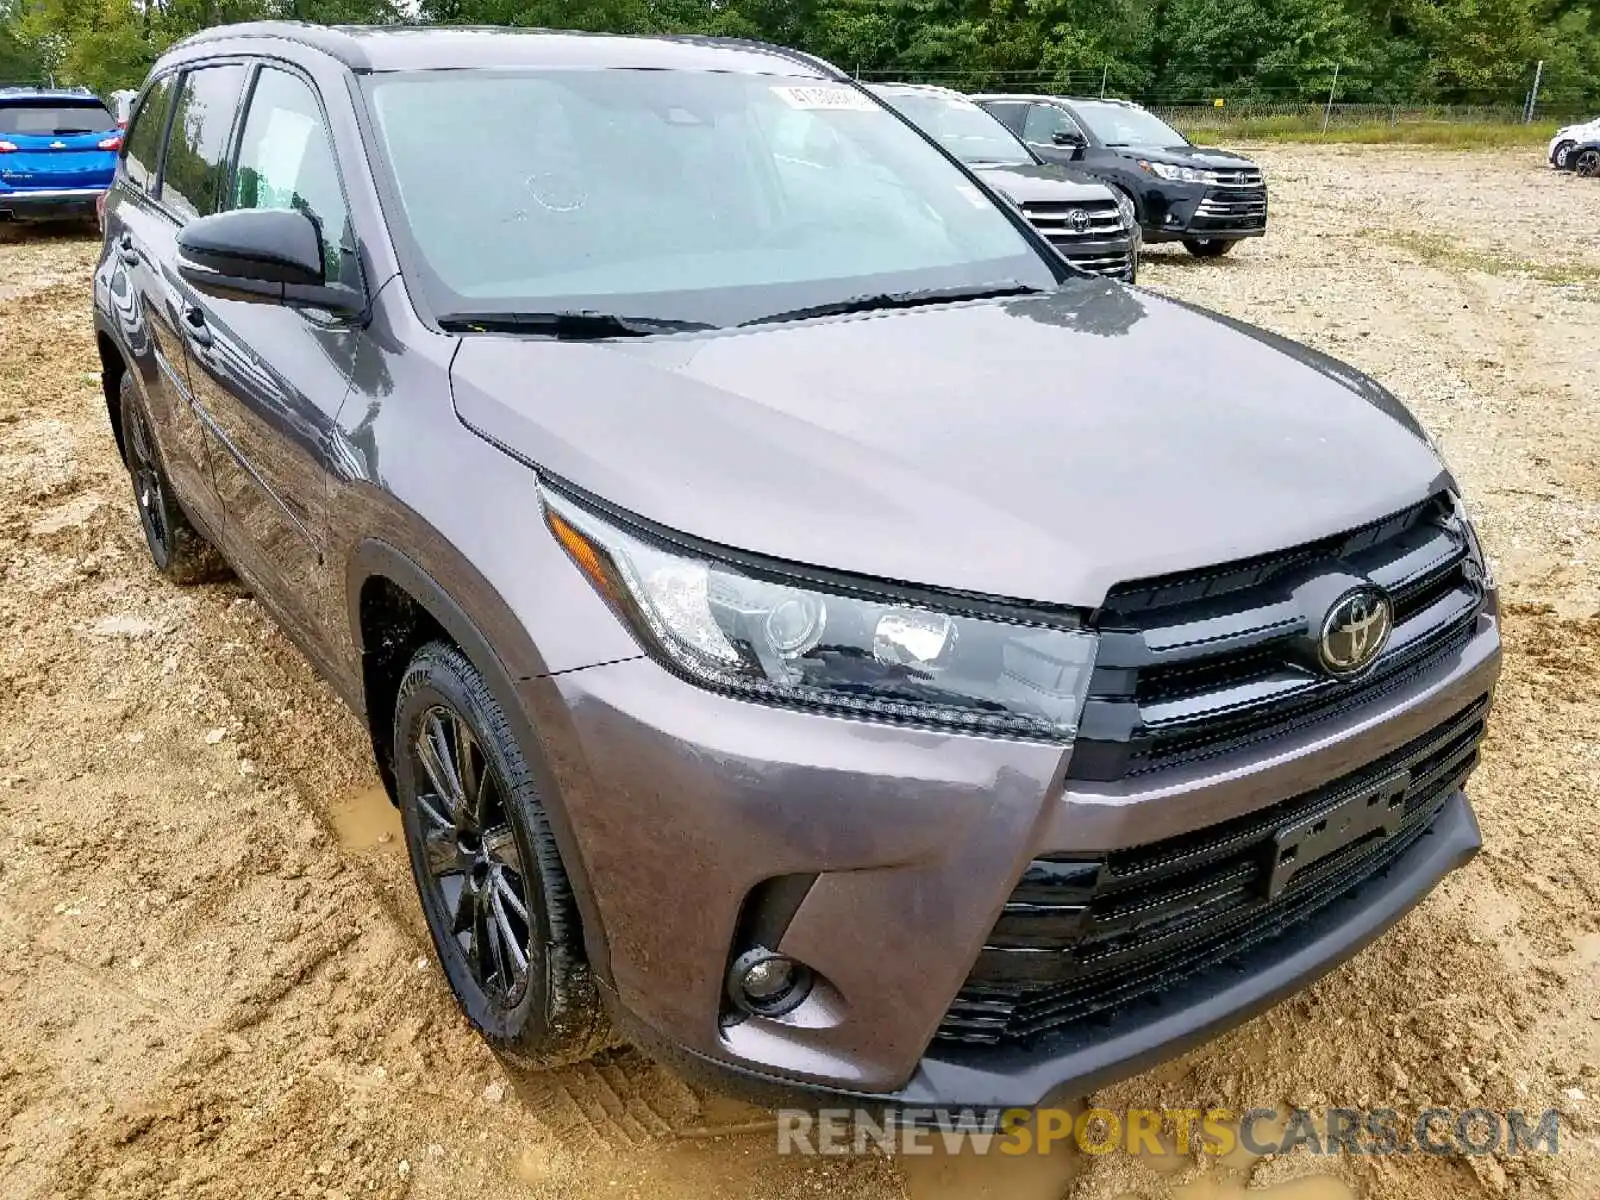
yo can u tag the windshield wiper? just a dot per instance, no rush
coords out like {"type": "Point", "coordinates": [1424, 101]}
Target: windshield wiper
{"type": "Point", "coordinates": [910, 299]}
{"type": "Point", "coordinates": [569, 325]}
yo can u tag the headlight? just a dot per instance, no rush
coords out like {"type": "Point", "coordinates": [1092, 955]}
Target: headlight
{"type": "Point", "coordinates": [837, 646]}
{"type": "Point", "coordinates": [1130, 219]}
{"type": "Point", "coordinates": [1477, 555]}
{"type": "Point", "coordinates": [1180, 174]}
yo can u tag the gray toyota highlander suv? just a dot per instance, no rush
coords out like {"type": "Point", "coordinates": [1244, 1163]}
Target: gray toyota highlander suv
{"type": "Point", "coordinates": [806, 626]}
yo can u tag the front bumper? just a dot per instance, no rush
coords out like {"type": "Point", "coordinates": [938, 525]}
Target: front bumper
{"type": "Point", "coordinates": [1175, 211]}
{"type": "Point", "coordinates": [907, 844]}
{"type": "Point", "coordinates": [50, 204]}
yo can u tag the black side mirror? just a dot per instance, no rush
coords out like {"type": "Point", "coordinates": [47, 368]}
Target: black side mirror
{"type": "Point", "coordinates": [261, 255]}
{"type": "Point", "coordinates": [1067, 137]}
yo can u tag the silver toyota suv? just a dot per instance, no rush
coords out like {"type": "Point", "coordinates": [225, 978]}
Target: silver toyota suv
{"type": "Point", "coordinates": [805, 624]}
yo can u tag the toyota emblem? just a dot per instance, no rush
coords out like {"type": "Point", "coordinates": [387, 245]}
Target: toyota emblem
{"type": "Point", "coordinates": [1355, 631]}
{"type": "Point", "coordinates": [1080, 220]}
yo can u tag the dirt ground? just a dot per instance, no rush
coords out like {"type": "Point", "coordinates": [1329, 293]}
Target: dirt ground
{"type": "Point", "coordinates": [214, 981]}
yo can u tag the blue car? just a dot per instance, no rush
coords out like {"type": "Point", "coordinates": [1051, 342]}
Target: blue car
{"type": "Point", "coordinates": [58, 154]}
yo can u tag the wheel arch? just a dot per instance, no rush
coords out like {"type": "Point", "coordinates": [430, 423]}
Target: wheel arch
{"type": "Point", "coordinates": [396, 606]}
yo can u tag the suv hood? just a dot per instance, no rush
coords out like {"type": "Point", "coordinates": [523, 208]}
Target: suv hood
{"type": "Point", "coordinates": [1187, 156]}
{"type": "Point", "coordinates": [1027, 184]}
{"type": "Point", "coordinates": [1040, 448]}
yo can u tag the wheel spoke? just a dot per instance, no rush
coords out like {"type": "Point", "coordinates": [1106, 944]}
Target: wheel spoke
{"type": "Point", "coordinates": [508, 936]}
{"type": "Point", "coordinates": [482, 952]}
{"type": "Point", "coordinates": [467, 773]}
{"type": "Point", "coordinates": [433, 749]}
{"type": "Point", "coordinates": [141, 442]}
{"type": "Point", "coordinates": [435, 812]}
{"type": "Point", "coordinates": [507, 894]}
{"type": "Point", "coordinates": [494, 935]}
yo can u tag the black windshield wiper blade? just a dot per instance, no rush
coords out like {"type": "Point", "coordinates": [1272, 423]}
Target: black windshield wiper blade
{"type": "Point", "coordinates": [568, 325]}
{"type": "Point", "coordinates": [910, 299]}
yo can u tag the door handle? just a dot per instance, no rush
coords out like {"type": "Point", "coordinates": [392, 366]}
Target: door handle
{"type": "Point", "coordinates": [194, 324]}
{"type": "Point", "coordinates": [128, 250]}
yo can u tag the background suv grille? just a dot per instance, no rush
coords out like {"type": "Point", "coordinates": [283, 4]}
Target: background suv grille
{"type": "Point", "coordinates": [1101, 247]}
{"type": "Point", "coordinates": [1246, 177]}
{"type": "Point", "coordinates": [1237, 200]}
{"type": "Point", "coordinates": [1081, 937]}
{"type": "Point", "coordinates": [1202, 663]}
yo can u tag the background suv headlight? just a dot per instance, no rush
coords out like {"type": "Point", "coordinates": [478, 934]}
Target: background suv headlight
{"type": "Point", "coordinates": [1180, 174]}
{"type": "Point", "coordinates": [1130, 219]}
{"type": "Point", "coordinates": [852, 647]}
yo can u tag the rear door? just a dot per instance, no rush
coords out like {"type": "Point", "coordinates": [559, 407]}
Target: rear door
{"type": "Point", "coordinates": [270, 378]}
{"type": "Point", "coordinates": [139, 239]}
{"type": "Point", "coordinates": [203, 105]}
{"type": "Point", "coordinates": [57, 143]}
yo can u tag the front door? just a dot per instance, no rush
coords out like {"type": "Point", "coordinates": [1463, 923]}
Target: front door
{"type": "Point", "coordinates": [1040, 126]}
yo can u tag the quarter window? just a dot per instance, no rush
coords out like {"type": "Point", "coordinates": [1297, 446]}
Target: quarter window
{"type": "Point", "coordinates": [144, 139]}
{"type": "Point", "coordinates": [286, 162]}
{"type": "Point", "coordinates": [198, 144]}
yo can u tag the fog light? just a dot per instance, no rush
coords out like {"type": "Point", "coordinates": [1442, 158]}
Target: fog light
{"type": "Point", "coordinates": [766, 983]}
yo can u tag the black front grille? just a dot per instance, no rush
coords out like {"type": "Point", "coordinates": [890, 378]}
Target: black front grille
{"type": "Point", "coordinates": [1203, 663]}
{"type": "Point", "coordinates": [1081, 937]}
{"type": "Point", "coordinates": [1231, 208]}
{"type": "Point", "coordinates": [1089, 235]}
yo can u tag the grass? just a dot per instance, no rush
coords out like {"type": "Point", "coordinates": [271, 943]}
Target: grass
{"type": "Point", "coordinates": [1437, 251]}
{"type": "Point", "coordinates": [1451, 135]}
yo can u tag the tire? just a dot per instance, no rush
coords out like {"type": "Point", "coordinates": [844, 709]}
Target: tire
{"type": "Point", "coordinates": [1209, 247]}
{"type": "Point", "coordinates": [487, 869]}
{"type": "Point", "coordinates": [1563, 153]}
{"type": "Point", "coordinates": [1587, 164]}
{"type": "Point", "coordinates": [177, 548]}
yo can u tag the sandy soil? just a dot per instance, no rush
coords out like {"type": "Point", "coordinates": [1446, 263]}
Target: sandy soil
{"type": "Point", "coordinates": [213, 980]}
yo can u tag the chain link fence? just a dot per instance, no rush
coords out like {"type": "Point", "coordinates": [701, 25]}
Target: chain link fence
{"type": "Point", "coordinates": [1268, 113]}
{"type": "Point", "coordinates": [1288, 116]}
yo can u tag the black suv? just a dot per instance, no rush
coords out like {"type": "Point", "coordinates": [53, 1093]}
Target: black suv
{"type": "Point", "coordinates": [1208, 199]}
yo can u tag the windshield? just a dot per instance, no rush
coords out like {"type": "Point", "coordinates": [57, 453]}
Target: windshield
{"type": "Point", "coordinates": [1119, 125]}
{"type": "Point", "coordinates": [703, 197]}
{"type": "Point", "coordinates": [56, 118]}
{"type": "Point", "coordinates": [962, 128]}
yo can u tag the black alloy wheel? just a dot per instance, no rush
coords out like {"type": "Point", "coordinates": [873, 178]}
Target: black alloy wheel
{"type": "Point", "coordinates": [494, 889]}
{"type": "Point", "coordinates": [177, 549]}
{"type": "Point", "coordinates": [473, 862]}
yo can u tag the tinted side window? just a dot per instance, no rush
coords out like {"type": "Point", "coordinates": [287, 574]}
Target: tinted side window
{"type": "Point", "coordinates": [286, 161]}
{"type": "Point", "coordinates": [1044, 122]}
{"type": "Point", "coordinates": [144, 139]}
{"type": "Point", "coordinates": [201, 123]}
{"type": "Point", "coordinates": [1008, 111]}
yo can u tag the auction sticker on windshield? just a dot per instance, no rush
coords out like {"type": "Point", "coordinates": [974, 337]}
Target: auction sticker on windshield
{"type": "Point", "coordinates": [838, 98]}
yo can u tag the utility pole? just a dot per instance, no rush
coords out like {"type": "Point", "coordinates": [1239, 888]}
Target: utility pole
{"type": "Point", "coordinates": [1327, 112]}
{"type": "Point", "coordinates": [1533, 96]}
{"type": "Point", "coordinates": [1104, 71]}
